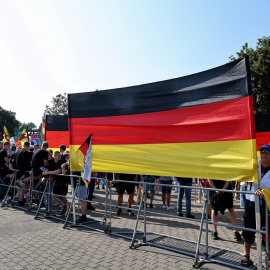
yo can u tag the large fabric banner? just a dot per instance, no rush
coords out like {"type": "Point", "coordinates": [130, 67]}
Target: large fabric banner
{"type": "Point", "coordinates": [200, 125]}
{"type": "Point", "coordinates": [56, 131]}
{"type": "Point", "coordinates": [262, 124]}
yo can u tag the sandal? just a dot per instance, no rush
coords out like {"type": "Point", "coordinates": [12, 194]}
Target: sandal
{"type": "Point", "coordinates": [246, 261]}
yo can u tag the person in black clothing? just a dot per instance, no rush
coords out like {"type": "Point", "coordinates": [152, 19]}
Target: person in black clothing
{"type": "Point", "coordinates": [227, 200]}
{"type": "Point", "coordinates": [249, 215]}
{"type": "Point", "coordinates": [23, 164]}
{"type": "Point", "coordinates": [62, 149]}
{"type": "Point", "coordinates": [23, 161]}
{"type": "Point", "coordinates": [5, 164]}
{"type": "Point", "coordinates": [39, 165]}
{"type": "Point", "coordinates": [61, 183]}
{"type": "Point", "coordinates": [129, 187]}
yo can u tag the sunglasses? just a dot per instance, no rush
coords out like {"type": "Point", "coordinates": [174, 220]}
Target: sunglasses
{"type": "Point", "coordinates": [267, 152]}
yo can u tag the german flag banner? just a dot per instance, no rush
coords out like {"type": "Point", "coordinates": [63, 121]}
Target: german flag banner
{"type": "Point", "coordinates": [199, 126]}
{"type": "Point", "coordinates": [56, 131]}
{"type": "Point", "coordinates": [262, 126]}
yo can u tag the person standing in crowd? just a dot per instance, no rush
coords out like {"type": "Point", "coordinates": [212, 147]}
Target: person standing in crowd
{"type": "Point", "coordinates": [184, 182]}
{"type": "Point", "coordinates": [227, 203]}
{"type": "Point", "coordinates": [60, 186]}
{"type": "Point", "coordinates": [5, 164]}
{"type": "Point", "coordinates": [129, 187]}
{"type": "Point", "coordinates": [249, 215]}
{"type": "Point", "coordinates": [62, 149]}
{"type": "Point", "coordinates": [166, 192]}
{"type": "Point", "coordinates": [23, 164]}
{"type": "Point", "coordinates": [39, 165]}
{"type": "Point", "coordinates": [149, 179]}
{"type": "Point", "coordinates": [1, 145]}
{"type": "Point", "coordinates": [36, 147]}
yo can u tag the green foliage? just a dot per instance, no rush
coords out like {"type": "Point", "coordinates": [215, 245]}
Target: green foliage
{"type": "Point", "coordinates": [59, 106]}
{"type": "Point", "coordinates": [29, 127]}
{"type": "Point", "coordinates": [8, 119]}
{"type": "Point", "coordinates": [259, 60]}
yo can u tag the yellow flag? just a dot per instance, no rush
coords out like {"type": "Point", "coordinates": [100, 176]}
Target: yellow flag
{"type": "Point", "coordinates": [266, 193]}
{"type": "Point", "coordinates": [6, 135]}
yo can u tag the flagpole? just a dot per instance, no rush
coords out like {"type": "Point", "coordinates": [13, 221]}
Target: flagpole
{"type": "Point", "coordinates": [78, 148]}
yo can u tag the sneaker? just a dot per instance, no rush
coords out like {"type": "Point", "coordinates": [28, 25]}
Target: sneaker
{"type": "Point", "coordinates": [179, 214]}
{"type": "Point", "coordinates": [164, 206]}
{"type": "Point", "coordinates": [190, 216]}
{"type": "Point", "coordinates": [170, 208]}
{"type": "Point", "coordinates": [19, 183]}
{"type": "Point", "coordinates": [215, 236]}
{"type": "Point", "coordinates": [130, 212]}
{"type": "Point", "coordinates": [151, 205]}
{"type": "Point", "coordinates": [82, 219]}
{"type": "Point", "coordinates": [90, 207]}
{"type": "Point", "coordinates": [119, 211]}
{"type": "Point", "coordinates": [62, 212]}
{"type": "Point", "coordinates": [97, 187]}
{"type": "Point", "coordinates": [103, 187]}
{"type": "Point", "coordinates": [237, 236]}
{"type": "Point", "coordinates": [21, 203]}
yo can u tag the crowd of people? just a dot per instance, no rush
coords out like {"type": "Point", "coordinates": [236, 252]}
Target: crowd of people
{"type": "Point", "coordinates": [44, 166]}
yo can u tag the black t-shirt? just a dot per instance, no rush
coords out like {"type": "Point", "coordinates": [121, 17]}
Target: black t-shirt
{"type": "Point", "coordinates": [53, 166]}
{"type": "Point", "coordinates": [23, 160]}
{"type": "Point", "coordinates": [220, 184]}
{"type": "Point", "coordinates": [38, 158]}
{"type": "Point", "coordinates": [3, 154]}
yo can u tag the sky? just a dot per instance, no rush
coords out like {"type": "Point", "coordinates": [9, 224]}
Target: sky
{"type": "Point", "coordinates": [50, 47]}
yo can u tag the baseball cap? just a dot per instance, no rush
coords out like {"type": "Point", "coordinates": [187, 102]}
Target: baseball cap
{"type": "Point", "coordinates": [265, 146]}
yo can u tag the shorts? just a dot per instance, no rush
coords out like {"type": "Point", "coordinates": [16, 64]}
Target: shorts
{"type": "Point", "coordinates": [166, 189]}
{"type": "Point", "coordinates": [149, 179]}
{"type": "Point", "coordinates": [60, 188]}
{"type": "Point", "coordinates": [227, 199]}
{"type": "Point", "coordinates": [83, 192]}
{"type": "Point", "coordinates": [122, 187]}
{"type": "Point", "coordinates": [37, 171]}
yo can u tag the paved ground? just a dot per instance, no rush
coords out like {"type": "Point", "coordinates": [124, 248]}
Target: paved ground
{"type": "Point", "coordinates": [27, 243]}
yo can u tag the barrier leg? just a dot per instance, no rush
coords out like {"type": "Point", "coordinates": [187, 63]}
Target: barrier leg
{"type": "Point", "coordinates": [206, 225]}
{"type": "Point", "coordinates": [196, 261]}
{"type": "Point", "coordinates": [144, 214]}
{"type": "Point", "coordinates": [132, 245]}
{"type": "Point", "coordinates": [30, 200]}
{"type": "Point", "coordinates": [258, 234]}
{"type": "Point", "coordinates": [106, 226]}
{"type": "Point", "coordinates": [69, 209]}
{"type": "Point", "coordinates": [42, 197]}
{"type": "Point", "coordinates": [11, 182]}
{"type": "Point", "coordinates": [73, 200]}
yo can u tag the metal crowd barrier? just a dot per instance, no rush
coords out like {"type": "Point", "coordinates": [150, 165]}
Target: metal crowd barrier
{"type": "Point", "coordinates": [71, 209]}
{"type": "Point", "coordinates": [197, 249]}
{"type": "Point", "coordinates": [200, 251]}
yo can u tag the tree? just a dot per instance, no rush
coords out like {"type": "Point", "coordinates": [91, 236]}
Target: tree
{"type": "Point", "coordinates": [28, 126]}
{"type": "Point", "coordinates": [259, 60]}
{"type": "Point", "coordinates": [59, 106]}
{"type": "Point", "coordinates": [8, 119]}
